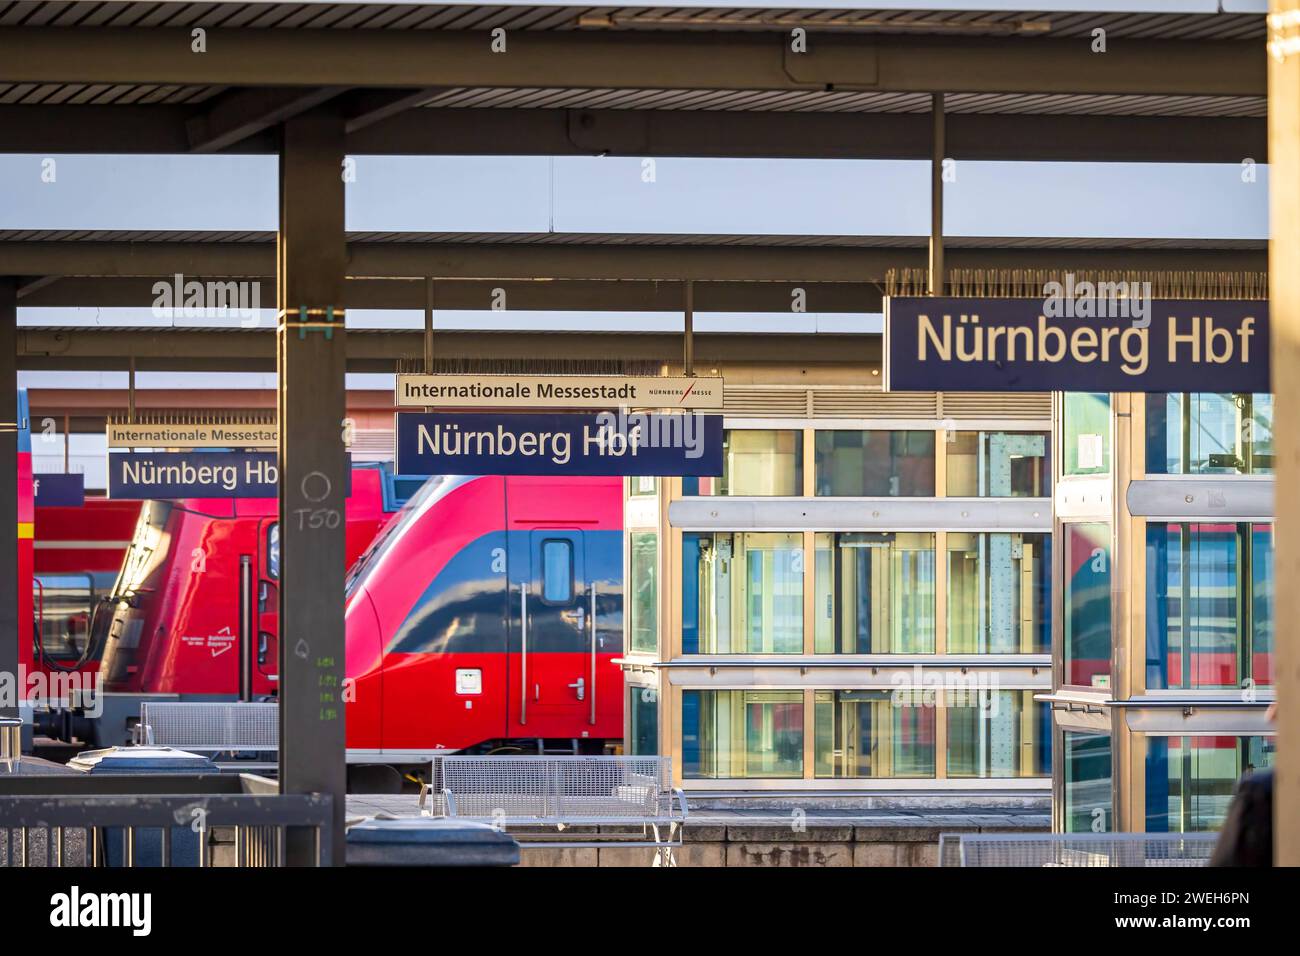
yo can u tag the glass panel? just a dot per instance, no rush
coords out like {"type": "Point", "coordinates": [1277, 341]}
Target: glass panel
{"type": "Point", "coordinates": [643, 607]}
{"type": "Point", "coordinates": [643, 718]}
{"type": "Point", "coordinates": [1209, 599]}
{"type": "Point", "coordinates": [998, 464]}
{"type": "Point", "coordinates": [874, 593]}
{"type": "Point", "coordinates": [875, 464]}
{"type": "Point", "coordinates": [557, 571]}
{"type": "Point", "coordinates": [1086, 436]}
{"type": "Point", "coordinates": [998, 733]}
{"type": "Point", "coordinates": [1087, 783]}
{"type": "Point", "coordinates": [742, 593]}
{"type": "Point", "coordinates": [641, 485]}
{"type": "Point", "coordinates": [873, 733]}
{"type": "Point", "coordinates": [1208, 433]}
{"type": "Point", "coordinates": [999, 593]}
{"type": "Point", "coordinates": [742, 734]}
{"type": "Point", "coordinates": [755, 462]}
{"type": "Point", "coordinates": [64, 604]}
{"type": "Point", "coordinates": [1087, 605]}
{"type": "Point", "coordinates": [1189, 780]}
{"type": "Point", "coordinates": [273, 551]}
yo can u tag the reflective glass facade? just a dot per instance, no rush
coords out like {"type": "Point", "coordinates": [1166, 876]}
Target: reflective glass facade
{"type": "Point", "coordinates": [874, 733]}
{"type": "Point", "coordinates": [875, 593]}
{"type": "Point", "coordinates": [643, 592]}
{"type": "Point", "coordinates": [1085, 440]}
{"type": "Point", "coordinates": [755, 462]}
{"type": "Point", "coordinates": [742, 593]}
{"type": "Point", "coordinates": [1088, 780]}
{"type": "Point", "coordinates": [999, 593]}
{"type": "Point", "coordinates": [1189, 780]}
{"type": "Point", "coordinates": [1087, 603]}
{"type": "Point", "coordinates": [998, 464]}
{"type": "Point", "coordinates": [642, 720]}
{"type": "Point", "coordinates": [1206, 433]}
{"type": "Point", "coordinates": [729, 734]}
{"type": "Point", "coordinates": [998, 733]}
{"type": "Point", "coordinates": [1209, 600]}
{"type": "Point", "coordinates": [875, 463]}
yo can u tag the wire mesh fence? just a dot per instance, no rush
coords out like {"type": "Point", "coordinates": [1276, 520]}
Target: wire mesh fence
{"type": "Point", "coordinates": [1076, 849]}
{"type": "Point", "coordinates": [554, 789]}
{"type": "Point", "coordinates": [211, 727]}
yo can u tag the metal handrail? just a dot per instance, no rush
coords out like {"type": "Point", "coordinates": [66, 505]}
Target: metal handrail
{"type": "Point", "coordinates": [259, 823]}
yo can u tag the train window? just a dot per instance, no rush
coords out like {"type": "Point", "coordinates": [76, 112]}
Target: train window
{"type": "Point", "coordinates": [557, 571]}
{"type": "Point", "coordinates": [273, 551]}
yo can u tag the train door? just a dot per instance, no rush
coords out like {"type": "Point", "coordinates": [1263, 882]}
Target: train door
{"type": "Point", "coordinates": [550, 635]}
{"type": "Point", "coordinates": [265, 624]}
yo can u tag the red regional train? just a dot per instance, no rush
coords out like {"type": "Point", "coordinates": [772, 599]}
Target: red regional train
{"type": "Point", "coordinates": [197, 587]}
{"type": "Point", "coordinates": [488, 618]}
{"type": "Point", "coordinates": [78, 554]}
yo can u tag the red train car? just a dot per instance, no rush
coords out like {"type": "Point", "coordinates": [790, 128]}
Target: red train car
{"type": "Point", "coordinates": [78, 554]}
{"type": "Point", "coordinates": [487, 617]}
{"type": "Point", "coordinates": [194, 611]}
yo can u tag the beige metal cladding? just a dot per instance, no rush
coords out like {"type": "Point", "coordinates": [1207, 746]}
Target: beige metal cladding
{"type": "Point", "coordinates": [849, 402]}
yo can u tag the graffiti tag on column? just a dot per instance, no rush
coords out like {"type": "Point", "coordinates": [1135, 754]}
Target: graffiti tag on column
{"type": "Point", "coordinates": [316, 487]}
{"type": "Point", "coordinates": [327, 682]}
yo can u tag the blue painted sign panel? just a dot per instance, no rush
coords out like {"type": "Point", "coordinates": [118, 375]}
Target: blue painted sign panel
{"type": "Point", "coordinates": [1072, 344]}
{"type": "Point", "coordinates": [193, 474]}
{"type": "Point", "coordinates": [196, 474]}
{"type": "Point", "coordinates": [57, 490]}
{"type": "Point", "coordinates": [559, 444]}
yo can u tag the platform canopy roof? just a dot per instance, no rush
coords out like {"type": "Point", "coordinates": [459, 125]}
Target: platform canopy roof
{"type": "Point", "coordinates": [1178, 81]}
{"type": "Point", "coordinates": [687, 79]}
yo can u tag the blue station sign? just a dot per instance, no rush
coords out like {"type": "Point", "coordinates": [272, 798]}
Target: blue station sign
{"type": "Point", "coordinates": [193, 474]}
{"type": "Point", "coordinates": [1072, 344]}
{"type": "Point", "coordinates": [609, 443]}
{"type": "Point", "coordinates": [59, 490]}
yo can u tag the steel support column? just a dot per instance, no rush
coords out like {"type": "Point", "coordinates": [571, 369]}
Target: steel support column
{"type": "Point", "coordinates": [1284, 301]}
{"type": "Point", "coordinates": [937, 147]}
{"type": "Point", "coordinates": [311, 349]}
{"type": "Point", "coordinates": [10, 631]}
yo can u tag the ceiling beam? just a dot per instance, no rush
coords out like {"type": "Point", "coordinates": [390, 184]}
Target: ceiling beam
{"type": "Point", "coordinates": [253, 351]}
{"type": "Point", "coordinates": [388, 122]}
{"type": "Point", "coordinates": [236, 116]}
{"type": "Point", "coordinates": [567, 295]}
{"type": "Point", "coordinates": [636, 60]}
{"type": "Point", "coordinates": [154, 261]}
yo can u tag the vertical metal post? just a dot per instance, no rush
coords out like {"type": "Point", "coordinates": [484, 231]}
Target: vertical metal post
{"type": "Point", "coordinates": [130, 389]}
{"type": "Point", "coordinates": [9, 623]}
{"type": "Point", "coordinates": [1284, 304]}
{"type": "Point", "coordinates": [313, 470]}
{"type": "Point", "coordinates": [688, 341]}
{"type": "Point", "coordinates": [428, 325]}
{"type": "Point", "coordinates": [937, 147]}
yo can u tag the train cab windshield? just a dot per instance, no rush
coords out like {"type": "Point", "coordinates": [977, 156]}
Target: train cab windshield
{"type": "Point", "coordinates": [433, 489]}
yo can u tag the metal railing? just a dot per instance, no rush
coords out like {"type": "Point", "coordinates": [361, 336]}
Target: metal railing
{"type": "Point", "coordinates": [211, 727]}
{"type": "Point", "coordinates": [560, 792]}
{"type": "Point", "coordinates": [11, 742]}
{"type": "Point", "coordinates": [243, 830]}
{"type": "Point", "coordinates": [1076, 849]}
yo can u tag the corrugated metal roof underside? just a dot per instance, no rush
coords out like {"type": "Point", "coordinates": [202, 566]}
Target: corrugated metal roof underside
{"type": "Point", "coordinates": [368, 16]}
{"type": "Point", "coordinates": [804, 101]}
{"type": "Point", "coordinates": [820, 101]}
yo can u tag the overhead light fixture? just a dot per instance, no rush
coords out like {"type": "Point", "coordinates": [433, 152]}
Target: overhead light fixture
{"type": "Point", "coordinates": [620, 21]}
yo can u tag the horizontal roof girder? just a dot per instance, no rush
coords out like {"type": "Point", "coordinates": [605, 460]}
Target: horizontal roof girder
{"type": "Point", "coordinates": [590, 261]}
{"type": "Point", "coordinates": [646, 60]}
{"type": "Point", "coordinates": [254, 351]}
{"type": "Point", "coordinates": [664, 133]}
